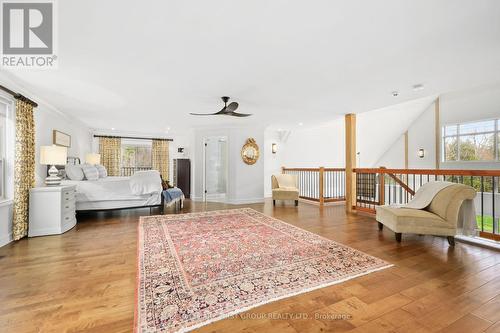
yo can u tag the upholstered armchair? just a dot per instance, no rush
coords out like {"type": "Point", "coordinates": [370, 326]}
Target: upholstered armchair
{"type": "Point", "coordinates": [439, 218]}
{"type": "Point", "coordinates": [285, 187]}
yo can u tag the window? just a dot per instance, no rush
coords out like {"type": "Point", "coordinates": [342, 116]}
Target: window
{"type": "Point", "coordinates": [476, 141]}
{"type": "Point", "coordinates": [136, 156]}
{"type": "Point", "coordinates": [3, 139]}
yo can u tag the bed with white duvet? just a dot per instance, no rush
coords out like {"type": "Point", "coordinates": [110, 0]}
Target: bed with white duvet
{"type": "Point", "coordinates": [143, 189]}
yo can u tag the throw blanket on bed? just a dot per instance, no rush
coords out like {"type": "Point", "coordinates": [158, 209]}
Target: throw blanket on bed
{"type": "Point", "coordinates": [173, 195]}
{"type": "Point", "coordinates": [145, 182]}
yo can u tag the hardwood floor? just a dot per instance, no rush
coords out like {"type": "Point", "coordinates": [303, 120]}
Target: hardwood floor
{"type": "Point", "coordinates": [84, 280]}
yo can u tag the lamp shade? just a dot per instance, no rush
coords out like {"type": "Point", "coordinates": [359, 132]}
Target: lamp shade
{"type": "Point", "coordinates": [53, 155]}
{"type": "Point", "coordinates": [92, 158]}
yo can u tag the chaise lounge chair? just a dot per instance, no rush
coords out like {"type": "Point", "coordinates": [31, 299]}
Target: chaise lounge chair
{"type": "Point", "coordinates": [440, 218]}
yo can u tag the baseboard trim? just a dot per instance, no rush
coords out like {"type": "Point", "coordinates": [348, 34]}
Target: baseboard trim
{"type": "Point", "coordinates": [236, 201]}
{"type": "Point", "coordinates": [486, 243]}
{"type": "Point", "coordinates": [245, 201]}
{"type": "Point", "coordinates": [6, 239]}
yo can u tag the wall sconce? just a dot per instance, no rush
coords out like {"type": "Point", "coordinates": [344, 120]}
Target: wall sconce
{"type": "Point", "coordinates": [421, 153]}
{"type": "Point", "coordinates": [180, 150]}
{"type": "Point", "coordinates": [274, 148]}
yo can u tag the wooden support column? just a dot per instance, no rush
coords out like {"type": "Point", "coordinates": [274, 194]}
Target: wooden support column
{"type": "Point", "coordinates": [437, 132]}
{"type": "Point", "coordinates": [406, 149]}
{"type": "Point", "coordinates": [350, 161]}
{"type": "Point", "coordinates": [381, 189]}
{"type": "Point", "coordinates": [321, 186]}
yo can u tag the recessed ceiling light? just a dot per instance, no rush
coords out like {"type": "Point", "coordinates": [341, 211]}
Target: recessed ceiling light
{"type": "Point", "coordinates": [300, 124]}
{"type": "Point", "coordinates": [112, 128]}
{"type": "Point", "coordinates": [418, 87]}
{"type": "Point", "coordinates": [395, 93]}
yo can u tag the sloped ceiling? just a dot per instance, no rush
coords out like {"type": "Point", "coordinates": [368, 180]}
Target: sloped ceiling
{"type": "Point", "coordinates": [379, 129]}
{"type": "Point", "coordinates": [144, 65]}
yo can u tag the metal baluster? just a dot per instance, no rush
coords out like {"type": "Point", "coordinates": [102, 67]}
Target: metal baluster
{"type": "Point", "coordinates": [493, 229]}
{"type": "Point", "coordinates": [482, 203]}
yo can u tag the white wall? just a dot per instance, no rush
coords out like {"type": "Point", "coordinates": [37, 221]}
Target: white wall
{"type": "Point", "coordinates": [394, 157]}
{"type": "Point", "coordinates": [315, 146]}
{"type": "Point", "coordinates": [457, 107]}
{"type": "Point", "coordinates": [272, 162]}
{"type": "Point", "coordinates": [421, 134]}
{"type": "Point", "coordinates": [379, 129]}
{"type": "Point", "coordinates": [245, 182]}
{"type": "Point", "coordinates": [46, 119]}
{"type": "Point", "coordinates": [183, 141]}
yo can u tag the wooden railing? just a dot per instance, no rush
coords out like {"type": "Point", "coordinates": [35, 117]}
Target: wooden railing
{"type": "Point", "coordinates": [129, 171]}
{"type": "Point", "coordinates": [379, 186]}
{"type": "Point", "coordinates": [321, 185]}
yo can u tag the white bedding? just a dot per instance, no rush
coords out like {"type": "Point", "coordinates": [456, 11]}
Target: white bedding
{"type": "Point", "coordinates": [111, 192]}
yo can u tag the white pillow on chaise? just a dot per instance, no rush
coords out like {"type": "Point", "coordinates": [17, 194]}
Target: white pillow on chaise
{"type": "Point", "coordinates": [74, 172]}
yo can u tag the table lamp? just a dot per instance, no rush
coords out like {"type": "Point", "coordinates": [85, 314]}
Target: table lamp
{"type": "Point", "coordinates": [53, 155]}
{"type": "Point", "coordinates": [92, 158]}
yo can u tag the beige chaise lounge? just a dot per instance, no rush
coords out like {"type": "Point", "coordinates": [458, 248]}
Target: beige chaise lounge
{"type": "Point", "coordinates": [439, 218]}
{"type": "Point", "coordinates": [285, 187]}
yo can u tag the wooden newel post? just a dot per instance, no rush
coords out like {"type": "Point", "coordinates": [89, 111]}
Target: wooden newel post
{"type": "Point", "coordinates": [321, 186]}
{"type": "Point", "coordinates": [350, 162]}
{"type": "Point", "coordinates": [282, 169]}
{"type": "Point", "coordinates": [381, 188]}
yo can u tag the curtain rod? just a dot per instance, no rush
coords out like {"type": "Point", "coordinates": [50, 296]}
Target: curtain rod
{"type": "Point", "coordinates": [19, 96]}
{"type": "Point", "coordinates": [130, 137]}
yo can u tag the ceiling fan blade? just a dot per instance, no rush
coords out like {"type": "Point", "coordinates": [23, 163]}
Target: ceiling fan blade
{"type": "Point", "coordinates": [222, 111]}
{"type": "Point", "coordinates": [236, 114]}
{"type": "Point", "coordinates": [232, 106]}
{"type": "Point", "coordinates": [203, 114]}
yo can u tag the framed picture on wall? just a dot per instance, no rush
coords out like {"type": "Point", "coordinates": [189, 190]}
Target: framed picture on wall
{"type": "Point", "coordinates": [61, 139]}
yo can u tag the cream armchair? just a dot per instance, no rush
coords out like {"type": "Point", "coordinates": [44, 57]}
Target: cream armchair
{"type": "Point", "coordinates": [285, 187]}
{"type": "Point", "coordinates": [440, 218]}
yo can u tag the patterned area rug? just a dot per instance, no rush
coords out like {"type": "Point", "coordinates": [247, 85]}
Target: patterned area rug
{"type": "Point", "coordinates": [197, 268]}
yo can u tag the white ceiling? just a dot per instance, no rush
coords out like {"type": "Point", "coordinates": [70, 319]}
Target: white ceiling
{"type": "Point", "coordinates": [144, 65]}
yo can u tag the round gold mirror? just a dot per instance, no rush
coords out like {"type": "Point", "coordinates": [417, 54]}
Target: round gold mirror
{"type": "Point", "coordinates": [250, 152]}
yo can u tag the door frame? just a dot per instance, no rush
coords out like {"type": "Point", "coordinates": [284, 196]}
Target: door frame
{"type": "Point", "coordinates": [204, 147]}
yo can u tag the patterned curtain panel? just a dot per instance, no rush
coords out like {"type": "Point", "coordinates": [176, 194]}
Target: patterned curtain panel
{"type": "Point", "coordinates": [111, 153]}
{"type": "Point", "coordinates": [24, 169]}
{"type": "Point", "coordinates": [160, 158]}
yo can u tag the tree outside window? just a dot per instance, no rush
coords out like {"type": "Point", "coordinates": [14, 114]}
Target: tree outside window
{"type": "Point", "coordinates": [471, 141]}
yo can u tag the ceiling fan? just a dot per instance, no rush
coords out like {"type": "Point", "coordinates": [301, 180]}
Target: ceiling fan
{"type": "Point", "coordinates": [227, 110]}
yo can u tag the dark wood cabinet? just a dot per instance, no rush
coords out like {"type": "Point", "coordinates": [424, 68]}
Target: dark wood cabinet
{"type": "Point", "coordinates": [182, 175]}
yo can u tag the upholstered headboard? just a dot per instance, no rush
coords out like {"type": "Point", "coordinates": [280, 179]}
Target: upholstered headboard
{"type": "Point", "coordinates": [62, 168]}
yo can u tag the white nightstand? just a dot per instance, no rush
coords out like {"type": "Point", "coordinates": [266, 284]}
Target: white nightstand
{"type": "Point", "coordinates": [52, 210]}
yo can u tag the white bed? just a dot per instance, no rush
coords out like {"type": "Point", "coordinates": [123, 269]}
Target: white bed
{"type": "Point", "coordinates": [112, 193]}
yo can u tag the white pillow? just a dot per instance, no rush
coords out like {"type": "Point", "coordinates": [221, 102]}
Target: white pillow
{"type": "Point", "coordinates": [90, 172]}
{"type": "Point", "coordinates": [74, 172]}
{"type": "Point", "coordinates": [101, 169]}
